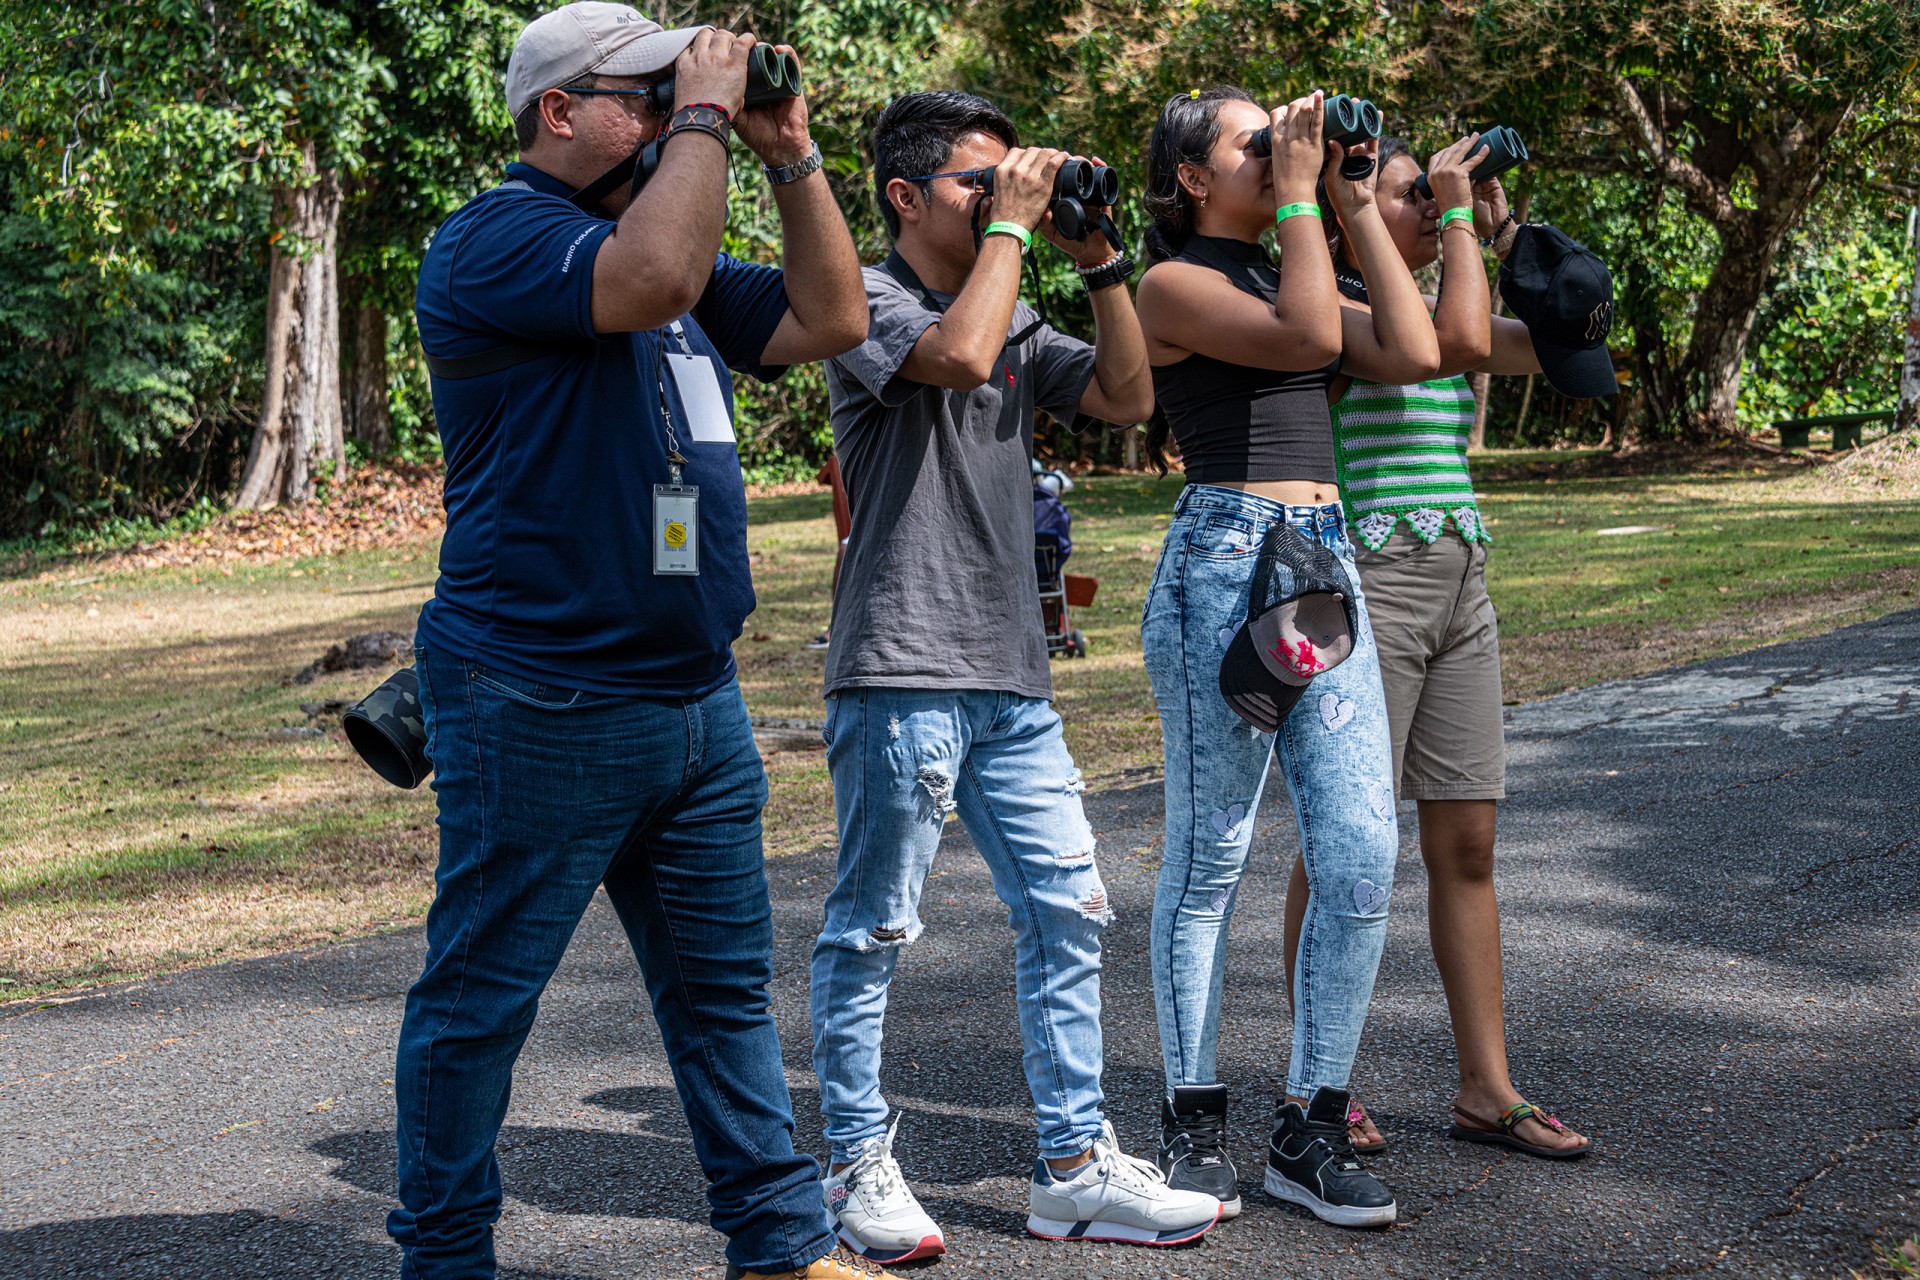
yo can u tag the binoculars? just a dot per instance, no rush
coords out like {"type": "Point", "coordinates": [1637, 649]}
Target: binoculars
{"type": "Point", "coordinates": [1505, 151]}
{"type": "Point", "coordinates": [388, 729]}
{"type": "Point", "coordinates": [771, 76]}
{"type": "Point", "coordinates": [1348, 121]}
{"type": "Point", "coordinates": [1079, 188]}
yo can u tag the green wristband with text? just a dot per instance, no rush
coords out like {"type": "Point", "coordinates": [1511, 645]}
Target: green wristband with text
{"type": "Point", "coordinates": [1295, 210]}
{"type": "Point", "coordinates": [1459, 213]}
{"type": "Point", "coordinates": [1014, 229]}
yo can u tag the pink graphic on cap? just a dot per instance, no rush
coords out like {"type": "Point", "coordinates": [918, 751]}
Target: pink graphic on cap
{"type": "Point", "coordinates": [1300, 658]}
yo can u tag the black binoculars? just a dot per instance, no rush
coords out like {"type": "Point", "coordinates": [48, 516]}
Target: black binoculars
{"type": "Point", "coordinates": [1348, 121]}
{"type": "Point", "coordinates": [1079, 188]}
{"type": "Point", "coordinates": [1505, 151]}
{"type": "Point", "coordinates": [771, 76]}
{"type": "Point", "coordinates": [388, 729]}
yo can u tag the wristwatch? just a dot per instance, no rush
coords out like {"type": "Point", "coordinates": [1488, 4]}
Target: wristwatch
{"type": "Point", "coordinates": [1115, 270]}
{"type": "Point", "coordinates": [793, 172]}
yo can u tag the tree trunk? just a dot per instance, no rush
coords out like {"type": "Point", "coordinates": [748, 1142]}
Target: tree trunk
{"type": "Point", "coordinates": [300, 434]}
{"type": "Point", "coordinates": [369, 416]}
{"type": "Point", "coordinates": [1723, 320]}
{"type": "Point", "coordinates": [1909, 416]}
{"type": "Point", "coordinates": [1482, 384]}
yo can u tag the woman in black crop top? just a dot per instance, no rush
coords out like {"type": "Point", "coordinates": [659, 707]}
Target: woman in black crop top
{"type": "Point", "coordinates": [1242, 355]}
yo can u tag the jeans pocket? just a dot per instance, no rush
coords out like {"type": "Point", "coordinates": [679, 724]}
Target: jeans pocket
{"type": "Point", "coordinates": [1222, 535]}
{"type": "Point", "coordinates": [532, 693]}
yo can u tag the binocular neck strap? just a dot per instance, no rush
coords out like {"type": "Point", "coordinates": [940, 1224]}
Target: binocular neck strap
{"type": "Point", "coordinates": [633, 172]}
{"type": "Point", "coordinates": [1039, 294]}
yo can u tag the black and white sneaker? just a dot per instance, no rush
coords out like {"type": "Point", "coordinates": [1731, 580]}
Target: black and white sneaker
{"type": "Point", "coordinates": [1193, 1153]}
{"type": "Point", "coordinates": [1311, 1163]}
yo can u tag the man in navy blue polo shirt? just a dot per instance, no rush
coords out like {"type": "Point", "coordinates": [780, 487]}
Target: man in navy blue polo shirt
{"type": "Point", "coordinates": [575, 663]}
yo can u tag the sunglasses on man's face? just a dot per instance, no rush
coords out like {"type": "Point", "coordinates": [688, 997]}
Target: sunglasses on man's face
{"type": "Point", "coordinates": [974, 177]}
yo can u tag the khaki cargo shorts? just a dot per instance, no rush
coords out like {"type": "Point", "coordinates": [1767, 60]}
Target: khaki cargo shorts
{"type": "Point", "coordinates": [1440, 664]}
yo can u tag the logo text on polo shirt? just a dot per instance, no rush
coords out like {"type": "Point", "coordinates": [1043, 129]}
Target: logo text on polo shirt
{"type": "Point", "coordinates": [566, 263]}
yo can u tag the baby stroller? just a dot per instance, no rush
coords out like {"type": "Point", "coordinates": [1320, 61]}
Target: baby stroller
{"type": "Point", "coordinates": [1060, 592]}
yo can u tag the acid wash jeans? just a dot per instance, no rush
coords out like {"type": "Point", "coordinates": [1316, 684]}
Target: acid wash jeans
{"type": "Point", "coordinates": [902, 759]}
{"type": "Point", "coordinates": [1336, 755]}
{"type": "Point", "coordinates": [544, 794]}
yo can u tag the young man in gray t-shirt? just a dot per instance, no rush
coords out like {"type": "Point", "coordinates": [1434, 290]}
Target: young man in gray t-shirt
{"type": "Point", "coordinates": [938, 692]}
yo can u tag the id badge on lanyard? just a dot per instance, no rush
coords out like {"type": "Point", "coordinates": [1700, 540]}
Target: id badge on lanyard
{"type": "Point", "coordinates": [676, 506]}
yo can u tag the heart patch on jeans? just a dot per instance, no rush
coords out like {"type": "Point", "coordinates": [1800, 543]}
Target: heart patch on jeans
{"type": "Point", "coordinates": [1368, 897]}
{"type": "Point", "coordinates": [1335, 711]}
{"type": "Point", "coordinates": [1380, 800]}
{"type": "Point", "coordinates": [1227, 821]}
{"type": "Point", "coordinates": [1228, 633]}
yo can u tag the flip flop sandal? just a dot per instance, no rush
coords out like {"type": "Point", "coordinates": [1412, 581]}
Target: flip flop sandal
{"type": "Point", "coordinates": [1499, 1133]}
{"type": "Point", "coordinates": [1356, 1120]}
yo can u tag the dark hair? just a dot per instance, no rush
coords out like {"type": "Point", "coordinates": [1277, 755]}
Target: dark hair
{"type": "Point", "coordinates": [526, 125]}
{"type": "Point", "coordinates": [916, 134]}
{"type": "Point", "coordinates": [1391, 147]}
{"type": "Point", "coordinates": [1185, 133]}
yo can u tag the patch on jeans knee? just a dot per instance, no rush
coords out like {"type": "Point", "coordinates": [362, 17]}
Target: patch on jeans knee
{"type": "Point", "coordinates": [939, 785]}
{"type": "Point", "coordinates": [1380, 799]}
{"type": "Point", "coordinates": [893, 728]}
{"type": "Point", "coordinates": [1335, 711]}
{"type": "Point", "coordinates": [1075, 784]}
{"type": "Point", "coordinates": [1368, 897]}
{"type": "Point", "coordinates": [1228, 822]}
{"type": "Point", "coordinates": [1221, 900]}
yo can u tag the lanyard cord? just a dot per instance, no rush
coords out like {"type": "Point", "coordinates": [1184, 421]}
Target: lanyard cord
{"type": "Point", "coordinates": [674, 459]}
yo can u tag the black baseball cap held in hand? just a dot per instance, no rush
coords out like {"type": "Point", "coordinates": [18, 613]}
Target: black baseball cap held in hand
{"type": "Point", "coordinates": [1302, 619]}
{"type": "Point", "coordinates": [1564, 295]}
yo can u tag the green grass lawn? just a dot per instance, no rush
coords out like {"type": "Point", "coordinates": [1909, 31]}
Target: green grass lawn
{"type": "Point", "coordinates": [151, 817]}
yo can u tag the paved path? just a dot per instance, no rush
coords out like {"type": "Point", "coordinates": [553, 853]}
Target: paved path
{"type": "Point", "coordinates": [1711, 903]}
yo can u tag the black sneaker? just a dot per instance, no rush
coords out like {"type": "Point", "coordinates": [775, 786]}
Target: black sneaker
{"type": "Point", "coordinates": [1311, 1163]}
{"type": "Point", "coordinates": [1193, 1155]}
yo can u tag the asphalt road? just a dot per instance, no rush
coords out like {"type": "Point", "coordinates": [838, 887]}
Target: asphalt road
{"type": "Point", "coordinates": [1711, 904]}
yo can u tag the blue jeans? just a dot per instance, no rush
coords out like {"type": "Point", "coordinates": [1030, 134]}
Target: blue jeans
{"type": "Point", "coordinates": [902, 759]}
{"type": "Point", "coordinates": [1336, 754]}
{"type": "Point", "coordinates": [544, 794]}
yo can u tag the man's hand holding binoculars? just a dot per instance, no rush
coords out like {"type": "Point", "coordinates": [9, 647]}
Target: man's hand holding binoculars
{"type": "Point", "coordinates": [714, 70]}
{"type": "Point", "coordinates": [1023, 185]}
{"type": "Point", "coordinates": [1090, 249]}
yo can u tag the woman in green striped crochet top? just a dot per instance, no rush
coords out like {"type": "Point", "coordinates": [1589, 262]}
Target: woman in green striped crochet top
{"type": "Point", "coordinates": [1422, 551]}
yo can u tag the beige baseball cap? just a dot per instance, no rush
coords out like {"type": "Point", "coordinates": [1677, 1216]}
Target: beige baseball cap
{"type": "Point", "coordinates": [588, 36]}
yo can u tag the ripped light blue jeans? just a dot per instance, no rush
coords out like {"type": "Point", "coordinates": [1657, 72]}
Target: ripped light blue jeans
{"type": "Point", "coordinates": [902, 759]}
{"type": "Point", "coordinates": [1336, 755]}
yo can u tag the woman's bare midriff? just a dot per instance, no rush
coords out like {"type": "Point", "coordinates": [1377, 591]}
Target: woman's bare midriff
{"type": "Point", "coordinates": [1295, 493]}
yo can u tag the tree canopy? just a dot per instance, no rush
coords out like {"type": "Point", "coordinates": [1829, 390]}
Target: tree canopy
{"type": "Point", "coordinates": [211, 212]}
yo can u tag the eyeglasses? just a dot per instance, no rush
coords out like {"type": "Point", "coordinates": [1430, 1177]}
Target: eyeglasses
{"type": "Point", "coordinates": [974, 175]}
{"type": "Point", "coordinates": [644, 93]}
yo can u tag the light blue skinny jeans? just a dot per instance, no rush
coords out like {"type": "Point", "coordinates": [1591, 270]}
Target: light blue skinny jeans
{"type": "Point", "coordinates": [901, 760]}
{"type": "Point", "coordinates": [1336, 755]}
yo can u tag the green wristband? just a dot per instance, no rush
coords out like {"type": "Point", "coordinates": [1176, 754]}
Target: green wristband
{"type": "Point", "coordinates": [1014, 229]}
{"type": "Point", "coordinates": [1295, 210]}
{"type": "Point", "coordinates": [1459, 213]}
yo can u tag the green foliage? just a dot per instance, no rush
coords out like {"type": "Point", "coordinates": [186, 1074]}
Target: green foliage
{"type": "Point", "coordinates": [1829, 337]}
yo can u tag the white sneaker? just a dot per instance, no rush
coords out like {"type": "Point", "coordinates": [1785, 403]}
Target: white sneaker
{"type": "Point", "coordinates": [1116, 1197]}
{"type": "Point", "coordinates": [874, 1213]}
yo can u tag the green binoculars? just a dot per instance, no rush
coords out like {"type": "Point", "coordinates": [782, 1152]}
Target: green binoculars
{"type": "Point", "coordinates": [771, 76]}
{"type": "Point", "coordinates": [1505, 151]}
{"type": "Point", "coordinates": [1348, 121]}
